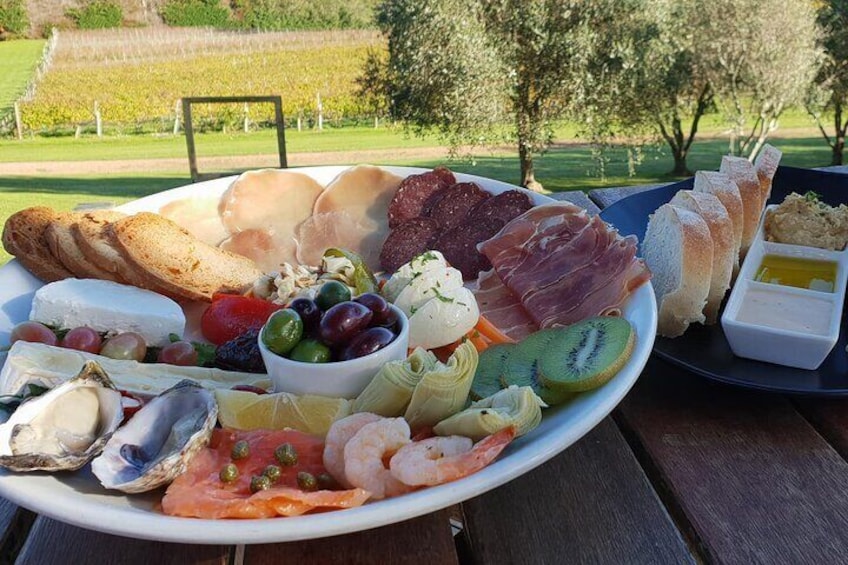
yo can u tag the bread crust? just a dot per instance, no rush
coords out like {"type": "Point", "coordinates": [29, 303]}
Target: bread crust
{"type": "Point", "coordinates": [720, 185]}
{"type": "Point", "coordinates": [24, 237]}
{"type": "Point", "coordinates": [64, 247]}
{"type": "Point", "coordinates": [690, 266]}
{"type": "Point", "coordinates": [742, 172]}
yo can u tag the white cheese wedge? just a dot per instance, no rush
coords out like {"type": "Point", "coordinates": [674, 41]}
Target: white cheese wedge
{"type": "Point", "coordinates": [443, 320]}
{"type": "Point", "coordinates": [107, 306]}
{"type": "Point", "coordinates": [427, 286]}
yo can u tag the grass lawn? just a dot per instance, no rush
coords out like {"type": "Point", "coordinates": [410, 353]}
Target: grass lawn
{"type": "Point", "coordinates": [18, 60]}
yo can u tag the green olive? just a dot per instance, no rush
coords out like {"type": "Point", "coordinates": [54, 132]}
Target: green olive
{"type": "Point", "coordinates": [241, 449]}
{"type": "Point", "coordinates": [286, 455]}
{"type": "Point", "coordinates": [259, 482]}
{"type": "Point", "coordinates": [229, 473]}
{"type": "Point", "coordinates": [331, 293]}
{"type": "Point", "coordinates": [307, 481]}
{"type": "Point", "coordinates": [272, 472]}
{"type": "Point", "coordinates": [282, 331]}
{"type": "Point", "coordinates": [310, 351]}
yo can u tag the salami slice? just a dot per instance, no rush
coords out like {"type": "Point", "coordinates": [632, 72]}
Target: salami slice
{"type": "Point", "coordinates": [504, 206]}
{"type": "Point", "coordinates": [455, 202]}
{"type": "Point", "coordinates": [459, 245]}
{"type": "Point", "coordinates": [408, 202]}
{"type": "Point", "coordinates": [407, 240]}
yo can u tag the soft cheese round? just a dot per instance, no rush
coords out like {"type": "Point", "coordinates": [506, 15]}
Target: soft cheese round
{"type": "Point", "coordinates": [107, 306]}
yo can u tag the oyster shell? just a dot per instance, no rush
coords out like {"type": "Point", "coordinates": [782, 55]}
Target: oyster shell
{"type": "Point", "coordinates": [159, 440]}
{"type": "Point", "coordinates": [64, 428]}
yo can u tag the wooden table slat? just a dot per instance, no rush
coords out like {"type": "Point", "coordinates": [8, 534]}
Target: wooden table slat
{"type": "Point", "coordinates": [427, 540]}
{"type": "Point", "coordinates": [830, 417]}
{"type": "Point", "coordinates": [754, 480]}
{"type": "Point", "coordinates": [590, 504]}
{"type": "Point", "coordinates": [58, 543]}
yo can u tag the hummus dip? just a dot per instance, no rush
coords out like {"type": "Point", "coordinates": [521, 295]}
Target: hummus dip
{"type": "Point", "coordinates": [804, 220]}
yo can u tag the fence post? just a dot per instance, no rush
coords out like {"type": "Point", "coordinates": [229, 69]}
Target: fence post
{"type": "Point", "coordinates": [177, 113]}
{"type": "Point", "coordinates": [97, 119]}
{"type": "Point", "coordinates": [19, 127]}
{"type": "Point", "coordinates": [376, 122]}
{"type": "Point", "coordinates": [300, 121]}
{"type": "Point", "coordinates": [320, 113]}
{"type": "Point", "coordinates": [246, 119]}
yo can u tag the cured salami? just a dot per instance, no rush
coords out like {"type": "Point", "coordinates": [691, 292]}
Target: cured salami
{"type": "Point", "coordinates": [454, 203]}
{"type": "Point", "coordinates": [413, 192]}
{"type": "Point", "coordinates": [504, 206]}
{"type": "Point", "coordinates": [459, 245]}
{"type": "Point", "coordinates": [407, 240]}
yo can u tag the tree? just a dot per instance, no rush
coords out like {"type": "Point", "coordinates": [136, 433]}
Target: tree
{"type": "Point", "coordinates": [829, 91]}
{"type": "Point", "coordinates": [763, 58]}
{"type": "Point", "coordinates": [489, 71]}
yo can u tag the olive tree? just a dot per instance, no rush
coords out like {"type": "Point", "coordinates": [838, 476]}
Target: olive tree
{"type": "Point", "coordinates": [490, 71]}
{"type": "Point", "coordinates": [829, 91]}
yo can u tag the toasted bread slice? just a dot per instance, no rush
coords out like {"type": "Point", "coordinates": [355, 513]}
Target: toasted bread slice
{"type": "Point", "coordinates": [64, 247]}
{"type": "Point", "coordinates": [742, 172]}
{"type": "Point", "coordinates": [24, 237]}
{"type": "Point", "coordinates": [720, 185]}
{"type": "Point", "coordinates": [766, 166]}
{"type": "Point", "coordinates": [177, 261]}
{"type": "Point", "coordinates": [709, 207]}
{"type": "Point", "coordinates": [678, 250]}
{"type": "Point", "coordinates": [90, 233]}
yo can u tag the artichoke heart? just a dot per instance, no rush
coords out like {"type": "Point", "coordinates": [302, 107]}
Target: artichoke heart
{"type": "Point", "coordinates": [443, 391]}
{"type": "Point", "coordinates": [512, 406]}
{"type": "Point", "coordinates": [390, 391]}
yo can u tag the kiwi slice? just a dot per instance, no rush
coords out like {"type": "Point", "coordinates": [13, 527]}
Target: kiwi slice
{"type": "Point", "coordinates": [521, 367]}
{"type": "Point", "coordinates": [487, 379]}
{"type": "Point", "coordinates": [587, 354]}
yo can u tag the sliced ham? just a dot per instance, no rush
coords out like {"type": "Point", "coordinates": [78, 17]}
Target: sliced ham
{"type": "Point", "coordinates": [559, 265]}
{"type": "Point", "coordinates": [268, 250]}
{"type": "Point", "coordinates": [340, 229]}
{"type": "Point", "coordinates": [199, 216]}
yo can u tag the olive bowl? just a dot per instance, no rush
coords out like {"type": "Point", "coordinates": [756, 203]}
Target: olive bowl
{"type": "Point", "coordinates": [337, 379]}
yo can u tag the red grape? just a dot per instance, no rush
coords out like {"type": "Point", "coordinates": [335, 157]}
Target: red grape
{"type": "Point", "coordinates": [178, 353]}
{"type": "Point", "coordinates": [33, 332]}
{"type": "Point", "coordinates": [82, 339]}
{"type": "Point", "coordinates": [128, 345]}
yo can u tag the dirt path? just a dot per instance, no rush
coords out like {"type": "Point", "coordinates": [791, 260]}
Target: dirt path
{"type": "Point", "coordinates": [212, 164]}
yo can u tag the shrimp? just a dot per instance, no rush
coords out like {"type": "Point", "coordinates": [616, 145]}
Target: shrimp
{"type": "Point", "coordinates": [440, 460]}
{"type": "Point", "coordinates": [338, 435]}
{"type": "Point", "coordinates": [365, 452]}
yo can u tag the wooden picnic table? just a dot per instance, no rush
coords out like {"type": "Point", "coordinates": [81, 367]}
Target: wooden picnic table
{"type": "Point", "coordinates": [685, 470]}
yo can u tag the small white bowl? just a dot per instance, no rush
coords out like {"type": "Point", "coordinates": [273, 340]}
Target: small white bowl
{"type": "Point", "coordinates": [339, 379]}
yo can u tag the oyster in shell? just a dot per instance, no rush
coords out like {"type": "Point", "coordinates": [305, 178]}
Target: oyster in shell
{"type": "Point", "coordinates": [64, 428]}
{"type": "Point", "coordinates": [159, 440]}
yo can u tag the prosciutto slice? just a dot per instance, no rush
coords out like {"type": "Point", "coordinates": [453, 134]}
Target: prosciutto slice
{"type": "Point", "coordinates": [557, 265]}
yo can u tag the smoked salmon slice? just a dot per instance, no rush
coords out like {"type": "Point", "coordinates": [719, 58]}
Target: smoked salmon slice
{"type": "Point", "coordinates": [200, 493]}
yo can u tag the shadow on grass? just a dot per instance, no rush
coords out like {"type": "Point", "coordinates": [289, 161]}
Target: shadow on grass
{"type": "Point", "coordinates": [106, 186]}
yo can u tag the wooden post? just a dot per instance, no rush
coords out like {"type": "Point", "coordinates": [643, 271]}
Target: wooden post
{"type": "Point", "coordinates": [246, 119]}
{"type": "Point", "coordinates": [300, 122]}
{"type": "Point", "coordinates": [78, 132]}
{"type": "Point", "coordinates": [376, 122]}
{"type": "Point", "coordinates": [19, 127]}
{"type": "Point", "coordinates": [320, 113]}
{"type": "Point", "coordinates": [177, 110]}
{"type": "Point", "coordinates": [97, 120]}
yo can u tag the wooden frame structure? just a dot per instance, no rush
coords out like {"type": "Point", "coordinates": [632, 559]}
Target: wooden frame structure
{"type": "Point", "coordinates": [276, 100]}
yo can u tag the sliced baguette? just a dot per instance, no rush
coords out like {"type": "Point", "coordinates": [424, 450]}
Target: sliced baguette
{"type": "Point", "coordinates": [64, 247]}
{"type": "Point", "coordinates": [720, 185]}
{"type": "Point", "coordinates": [710, 208]}
{"type": "Point", "coordinates": [24, 237]}
{"type": "Point", "coordinates": [766, 166]}
{"type": "Point", "coordinates": [168, 256]}
{"type": "Point", "coordinates": [678, 250]}
{"type": "Point", "coordinates": [741, 171]}
{"type": "Point", "coordinates": [92, 234]}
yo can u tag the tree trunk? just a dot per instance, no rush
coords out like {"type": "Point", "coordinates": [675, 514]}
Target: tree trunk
{"type": "Point", "coordinates": [680, 168]}
{"type": "Point", "coordinates": [528, 177]}
{"type": "Point", "coordinates": [838, 145]}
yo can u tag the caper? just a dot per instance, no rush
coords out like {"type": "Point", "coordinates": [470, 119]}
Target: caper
{"type": "Point", "coordinates": [272, 472]}
{"type": "Point", "coordinates": [306, 481]}
{"type": "Point", "coordinates": [259, 482]}
{"type": "Point", "coordinates": [326, 481]}
{"type": "Point", "coordinates": [286, 454]}
{"type": "Point", "coordinates": [229, 473]}
{"type": "Point", "coordinates": [241, 449]}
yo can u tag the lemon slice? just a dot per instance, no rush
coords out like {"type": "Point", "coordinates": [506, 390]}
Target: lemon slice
{"type": "Point", "coordinates": [308, 413]}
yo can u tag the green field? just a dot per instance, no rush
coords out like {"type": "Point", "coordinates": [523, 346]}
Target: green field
{"type": "Point", "coordinates": [18, 60]}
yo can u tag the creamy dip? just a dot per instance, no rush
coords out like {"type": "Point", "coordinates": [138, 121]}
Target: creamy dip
{"type": "Point", "coordinates": [805, 220]}
{"type": "Point", "coordinates": [785, 311]}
